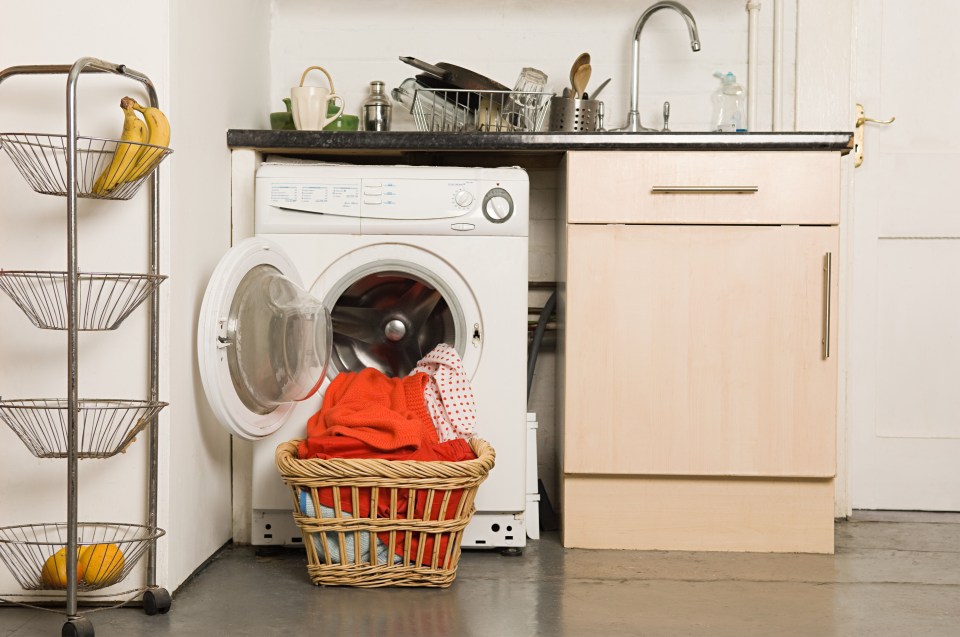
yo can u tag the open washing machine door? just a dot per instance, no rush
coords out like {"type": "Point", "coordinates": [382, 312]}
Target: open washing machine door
{"type": "Point", "coordinates": [263, 343]}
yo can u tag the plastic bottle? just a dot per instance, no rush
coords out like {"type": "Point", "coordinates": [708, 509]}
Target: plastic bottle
{"type": "Point", "coordinates": [728, 105]}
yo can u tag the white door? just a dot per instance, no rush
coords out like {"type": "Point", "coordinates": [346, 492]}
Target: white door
{"type": "Point", "coordinates": [263, 343]}
{"type": "Point", "coordinates": [904, 336]}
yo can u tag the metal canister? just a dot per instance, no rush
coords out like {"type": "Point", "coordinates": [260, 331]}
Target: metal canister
{"type": "Point", "coordinates": [377, 109]}
{"type": "Point", "coordinates": [574, 115]}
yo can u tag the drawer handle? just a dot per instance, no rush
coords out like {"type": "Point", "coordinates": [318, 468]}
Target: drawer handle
{"type": "Point", "coordinates": [701, 190]}
{"type": "Point", "coordinates": [828, 258]}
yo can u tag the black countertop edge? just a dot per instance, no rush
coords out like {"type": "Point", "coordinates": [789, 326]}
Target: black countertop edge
{"type": "Point", "coordinates": [313, 141]}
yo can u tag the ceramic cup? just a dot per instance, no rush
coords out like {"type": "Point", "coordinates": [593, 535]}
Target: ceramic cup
{"type": "Point", "coordinates": [309, 106]}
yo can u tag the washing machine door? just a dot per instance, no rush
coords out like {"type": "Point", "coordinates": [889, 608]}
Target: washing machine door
{"type": "Point", "coordinates": [263, 343]}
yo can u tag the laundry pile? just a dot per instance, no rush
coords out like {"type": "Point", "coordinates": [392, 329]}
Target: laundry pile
{"type": "Point", "coordinates": [426, 416]}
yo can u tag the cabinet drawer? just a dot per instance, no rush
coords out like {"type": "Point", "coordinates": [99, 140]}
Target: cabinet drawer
{"type": "Point", "coordinates": [703, 187]}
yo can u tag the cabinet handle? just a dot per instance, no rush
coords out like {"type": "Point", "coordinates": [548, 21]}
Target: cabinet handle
{"type": "Point", "coordinates": [700, 190]}
{"type": "Point", "coordinates": [826, 305]}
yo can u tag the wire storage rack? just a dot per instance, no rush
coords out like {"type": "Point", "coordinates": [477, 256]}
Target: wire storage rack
{"type": "Point", "coordinates": [58, 560]}
{"type": "Point", "coordinates": [467, 111]}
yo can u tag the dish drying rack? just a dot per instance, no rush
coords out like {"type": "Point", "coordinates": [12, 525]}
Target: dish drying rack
{"type": "Point", "coordinates": [469, 111]}
{"type": "Point", "coordinates": [73, 428]}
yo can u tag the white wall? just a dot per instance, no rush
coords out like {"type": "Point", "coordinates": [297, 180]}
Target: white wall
{"type": "Point", "coordinates": [361, 41]}
{"type": "Point", "coordinates": [218, 71]}
{"type": "Point", "coordinates": [208, 80]}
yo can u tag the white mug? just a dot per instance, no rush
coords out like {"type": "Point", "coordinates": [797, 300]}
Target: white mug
{"type": "Point", "coordinates": [309, 106]}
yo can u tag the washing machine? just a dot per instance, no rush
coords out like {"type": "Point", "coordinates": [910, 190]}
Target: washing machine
{"type": "Point", "coordinates": [373, 266]}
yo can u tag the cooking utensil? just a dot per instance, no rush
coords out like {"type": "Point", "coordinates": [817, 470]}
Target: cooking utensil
{"type": "Point", "coordinates": [580, 80]}
{"type": "Point", "coordinates": [451, 92]}
{"type": "Point", "coordinates": [457, 76]}
{"type": "Point", "coordinates": [583, 58]}
{"type": "Point", "coordinates": [602, 86]}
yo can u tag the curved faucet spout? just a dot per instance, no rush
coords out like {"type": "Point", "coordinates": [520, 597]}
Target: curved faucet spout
{"type": "Point", "coordinates": [633, 116]}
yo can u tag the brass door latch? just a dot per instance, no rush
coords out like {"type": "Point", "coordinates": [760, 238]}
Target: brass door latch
{"type": "Point", "coordinates": [858, 133]}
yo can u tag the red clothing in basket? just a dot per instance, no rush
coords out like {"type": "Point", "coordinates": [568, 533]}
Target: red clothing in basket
{"type": "Point", "coordinates": [370, 415]}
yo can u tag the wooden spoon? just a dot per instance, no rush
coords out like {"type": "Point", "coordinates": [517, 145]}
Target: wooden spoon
{"type": "Point", "coordinates": [583, 58]}
{"type": "Point", "coordinates": [580, 80]}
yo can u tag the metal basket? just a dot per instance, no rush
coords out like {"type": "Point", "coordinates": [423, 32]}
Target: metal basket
{"type": "Point", "coordinates": [105, 299]}
{"type": "Point", "coordinates": [115, 550]}
{"type": "Point", "coordinates": [105, 427]}
{"type": "Point", "coordinates": [574, 115]}
{"type": "Point", "coordinates": [42, 160]}
{"type": "Point", "coordinates": [464, 111]}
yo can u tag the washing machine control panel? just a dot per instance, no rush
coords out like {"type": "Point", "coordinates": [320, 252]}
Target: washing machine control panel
{"type": "Point", "coordinates": [398, 200]}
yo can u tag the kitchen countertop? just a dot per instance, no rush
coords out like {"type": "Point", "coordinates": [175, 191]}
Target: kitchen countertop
{"type": "Point", "coordinates": [313, 142]}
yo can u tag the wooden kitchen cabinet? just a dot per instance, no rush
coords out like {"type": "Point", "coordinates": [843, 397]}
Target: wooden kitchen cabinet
{"type": "Point", "coordinates": [698, 363]}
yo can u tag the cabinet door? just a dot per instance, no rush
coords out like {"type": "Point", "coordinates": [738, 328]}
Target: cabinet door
{"type": "Point", "coordinates": [699, 350]}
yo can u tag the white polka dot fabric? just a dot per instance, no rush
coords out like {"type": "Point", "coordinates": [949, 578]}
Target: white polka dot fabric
{"type": "Point", "coordinates": [448, 395]}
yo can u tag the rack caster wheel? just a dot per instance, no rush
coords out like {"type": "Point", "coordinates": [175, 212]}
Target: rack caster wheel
{"type": "Point", "coordinates": [79, 627]}
{"type": "Point", "coordinates": [156, 600]}
{"type": "Point", "coordinates": [511, 551]}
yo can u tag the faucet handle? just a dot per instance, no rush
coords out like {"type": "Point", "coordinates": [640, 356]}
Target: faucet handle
{"type": "Point", "coordinates": [666, 117]}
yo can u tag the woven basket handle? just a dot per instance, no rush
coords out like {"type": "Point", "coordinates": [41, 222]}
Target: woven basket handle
{"type": "Point", "coordinates": [317, 68]}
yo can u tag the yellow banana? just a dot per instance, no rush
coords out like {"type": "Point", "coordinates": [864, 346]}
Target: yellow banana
{"type": "Point", "coordinates": [159, 135]}
{"type": "Point", "coordinates": [134, 130]}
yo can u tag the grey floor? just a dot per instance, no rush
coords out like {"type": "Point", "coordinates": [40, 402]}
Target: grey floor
{"type": "Point", "coordinates": [893, 574]}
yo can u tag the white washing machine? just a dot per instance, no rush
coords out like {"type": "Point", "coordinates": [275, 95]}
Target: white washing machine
{"type": "Point", "coordinates": [372, 266]}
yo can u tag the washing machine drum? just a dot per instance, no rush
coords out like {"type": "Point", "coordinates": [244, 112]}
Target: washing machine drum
{"type": "Point", "coordinates": [389, 320]}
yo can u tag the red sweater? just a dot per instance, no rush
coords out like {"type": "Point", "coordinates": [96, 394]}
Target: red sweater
{"type": "Point", "coordinates": [370, 415]}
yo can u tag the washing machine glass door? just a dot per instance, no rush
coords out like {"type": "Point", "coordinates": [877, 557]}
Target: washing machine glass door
{"type": "Point", "coordinates": [263, 342]}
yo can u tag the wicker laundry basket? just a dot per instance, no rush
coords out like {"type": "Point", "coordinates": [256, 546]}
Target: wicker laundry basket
{"type": "Point", "coordinates": [423, 509]}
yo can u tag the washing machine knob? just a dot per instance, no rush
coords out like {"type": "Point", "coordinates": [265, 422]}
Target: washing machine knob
{"type": "Point", "coordinates": [497, 205]}
{"type": "Point", "coordinates": [463, 198]}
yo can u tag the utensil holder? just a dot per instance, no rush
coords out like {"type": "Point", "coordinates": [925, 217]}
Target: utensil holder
{"type": "Point", "coordinates": [573, 115]}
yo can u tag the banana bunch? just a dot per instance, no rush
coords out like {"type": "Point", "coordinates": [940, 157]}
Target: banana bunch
{"type": "Point", "coordinates": [131, 161]}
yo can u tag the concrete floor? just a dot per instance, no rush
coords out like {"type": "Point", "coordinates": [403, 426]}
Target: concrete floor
{"type": "Point", "coordinates": [893, 574]}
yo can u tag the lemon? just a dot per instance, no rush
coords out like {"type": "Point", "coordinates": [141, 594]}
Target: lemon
{"type": "Point", "coordinates": [54, 571]}
{"type": "Point", "coordinates": [101, 563]}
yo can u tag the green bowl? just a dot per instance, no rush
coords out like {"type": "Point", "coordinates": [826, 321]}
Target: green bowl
{"type": "Point", "coordinates": [282, 121]}
{"type": "Point", "coordinates": [344, 123]}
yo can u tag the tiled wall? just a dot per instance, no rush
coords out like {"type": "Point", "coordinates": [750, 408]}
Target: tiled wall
{"type": "Point", "coordinates": [359, 42]}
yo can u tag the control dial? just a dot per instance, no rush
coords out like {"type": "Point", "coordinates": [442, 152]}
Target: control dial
{"type": "Point", "coordinates": [463, 198]}
{"type": "Point", "coordinates": [497, 205]}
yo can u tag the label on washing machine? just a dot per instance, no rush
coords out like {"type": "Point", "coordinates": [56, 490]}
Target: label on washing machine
{"type": "Point", "coordinates": [341, 198]}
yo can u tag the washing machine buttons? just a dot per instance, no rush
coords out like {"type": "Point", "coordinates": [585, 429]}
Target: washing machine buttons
{"type": "Point", "coordinates": [372, 193]}
{"type": "Point", "coordinates": [463, 198]}
{"type": "Point", "coordinates": [497, 205]}
{"type": "Point", "coordinates": [462, 227]}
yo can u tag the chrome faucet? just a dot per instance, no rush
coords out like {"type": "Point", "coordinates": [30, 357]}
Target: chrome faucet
{"type": "Point", "coordinates": [633, 116]}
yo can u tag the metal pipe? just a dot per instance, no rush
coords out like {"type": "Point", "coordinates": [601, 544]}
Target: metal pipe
{"type": "Point", "coordinates": [153, 440]}
{"type": "Point", "coordinates": [777, 65]}
{"type": "Point", "coordinates": [633, 116]}
{"type": "Point", "coordinates": [753, 62]}
{"type": "Point", "coordinates": [73, 320]}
